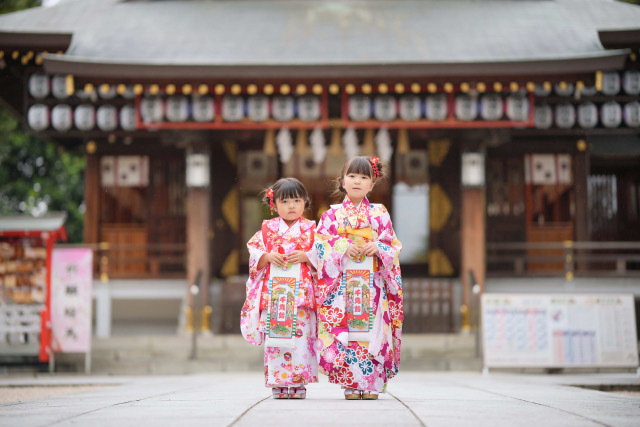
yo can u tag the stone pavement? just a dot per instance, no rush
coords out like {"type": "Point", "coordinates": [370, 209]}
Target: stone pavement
{"type": "Point", "coordinates": [414, 399]}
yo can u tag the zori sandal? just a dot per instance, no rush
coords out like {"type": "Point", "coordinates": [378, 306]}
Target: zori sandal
{"type": "Point", "coordinates": [351, 394]}
{"type": "Point", "coordinates": [369, 395]}
{"type": "Point", "coordinates": [297, 392]}
{"type": "Point", "coordinates": [280, 393]}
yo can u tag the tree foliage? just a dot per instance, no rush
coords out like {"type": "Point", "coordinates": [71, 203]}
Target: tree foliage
{"type": "Point", "coordinates": [37, 176]}
{"type": "Point", "coordinates": [7, 6]}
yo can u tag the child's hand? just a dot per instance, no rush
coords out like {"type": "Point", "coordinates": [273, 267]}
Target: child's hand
{"type": "Point", "coordinates": [275, 258]}
{"type": "Point", "coordinates": [353, 251]}
{"type": "Point", "coordinates": [297, 257]}
{"type": "Point", "coordinates": [370, 249]}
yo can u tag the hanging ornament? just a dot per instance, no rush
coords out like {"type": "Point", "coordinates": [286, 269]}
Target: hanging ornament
{"type": "Point", "coordinates": [350, 143]}
{"type": "Point", "coordinates": [383, 144]}
{"type": "Point", "coordinates": [285, 145]}
{"type": "Point", "coordinates": [318, 145]}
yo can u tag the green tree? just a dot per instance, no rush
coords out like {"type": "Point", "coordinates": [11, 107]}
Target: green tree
{"type": "Point", "coordinates": [37, 176]}
{"type": "Point", "coordinates": [7, 6]}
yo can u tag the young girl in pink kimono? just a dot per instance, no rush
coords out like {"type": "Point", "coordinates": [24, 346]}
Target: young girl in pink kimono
{"type": "Point", "coordinates": [352, 229]}
{"type": "Point", "coordinates": [285, 239]}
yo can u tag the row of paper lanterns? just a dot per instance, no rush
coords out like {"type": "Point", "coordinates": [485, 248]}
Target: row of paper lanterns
{"type": "Point", "coordinates": [234, 108]}
{"type": "Point", "coordinates": [612, 83]}
{"type": "Point", "coordinates": [41, 85]}
{"type": "Point", "coordinates": [84, 117]}
{"type": "Point", "coordinates": [587, 115]}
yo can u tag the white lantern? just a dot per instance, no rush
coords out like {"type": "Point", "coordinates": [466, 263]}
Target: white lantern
{"type": "Point", "coordinates": [128, 118]}
{"type": "Point", "coordinates": [258, 108]}
{"type": "Point", "coordinates": [129, 92]}
{"type": "Point", "coordinates": [437, 107]}
{"type": "Point", "coordinates": [83, 94]}
{"type": "Point", "coordinates": [543, 116]}
{"type": "Point", "coordinates": [587, 115]}
{"type": "Point", "coordinates": [611, 83]}
{"type": "Point", "coordinates": [197, 170]}
{"type": "Point", "coordinates": [517, 107]}
{"type": "Point", "coordinates": [611, 114]}
{"type": "Point", "coordinates": [359, 108]}
{"type": "Point", "coordinates": [232, 108]}
{"type": "Point", "coordinates": [39, 85]}
{"type": "Point", "coordinates": [632, 114]}
{"type": "Point", "coordinates": [107, 91]}
{"type": "Point", "coordinates": [84, 117]}
{"type": "Point", "coordinates": [59, 87]}
{"type": "Point", "coordinates": [466, 107]}
{"type": "Point", "coordinates": [107, 117]}
{"type": "Point", "coordinates": [177, 108]}
{"type": "Point", "coordinates": [491, 106]}
{"type": "Point", "coordinates": [385, 108]}
{"type": "Point", "coordinates": [283, 108]}
{"type": "Point", "coordinates": [38, 117]}
{"type": "Point", "coordinates": [567, 90]}
{"type": "Point", "coordinates": [565, 115]}
{"type": "Point", "coordinates": [588, 91]}
{"type": "Point", "coordinates": [472, 170]}
{"type": "Point", "coordinates": [62, 117]}
{"type": "Point", "coordinates": [151, 109]}
{"type": "Point", "coordinates": [631, 82]}
{"type": "Point", "coordinates": [309, 108]}
{"type": "Point", "coordinates": [410, 108]}
{"type": "Point", "coordinates": [541, 90]}
{"type": "Point", "coordinates": [203, 108]}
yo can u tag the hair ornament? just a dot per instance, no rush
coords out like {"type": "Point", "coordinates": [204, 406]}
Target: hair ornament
{"type": "Point", "coordinates": [374, 164]}
{"type": "Point", "coordinates": [269, 195]}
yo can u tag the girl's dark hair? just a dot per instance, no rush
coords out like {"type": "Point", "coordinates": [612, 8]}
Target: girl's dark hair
{"type": "Point", "coordinates": [287, 188]}
{"type": "Point", "coordinates": [361, 165]}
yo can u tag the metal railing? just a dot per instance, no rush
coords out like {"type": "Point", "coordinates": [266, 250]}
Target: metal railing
{"type": "Point", "coordinates": [566, 258]}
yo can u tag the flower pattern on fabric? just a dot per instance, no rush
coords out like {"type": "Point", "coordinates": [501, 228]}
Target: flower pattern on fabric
{"type": "Point", "coordinates": [378, 360]}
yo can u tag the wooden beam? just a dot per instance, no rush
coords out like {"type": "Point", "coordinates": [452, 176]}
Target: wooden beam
{"type": "Point", "coordinates": [91, 199]}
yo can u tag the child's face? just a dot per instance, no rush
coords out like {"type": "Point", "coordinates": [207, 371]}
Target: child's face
{"type": "Point", "coordinates": [290, 209]}
{"type": "Point", "coordinates": [357, 185]}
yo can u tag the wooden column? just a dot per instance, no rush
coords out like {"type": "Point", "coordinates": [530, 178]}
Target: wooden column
{"type": "Point", "coordinates": [473, 247]}
{"type": "Point", "coordinates": [581, 185]}
{"type": "Point", "coordinates": [91, 232]}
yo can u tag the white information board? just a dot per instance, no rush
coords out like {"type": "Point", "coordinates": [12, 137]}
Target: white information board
{"type": "Point", "coordinates": [559, 330]}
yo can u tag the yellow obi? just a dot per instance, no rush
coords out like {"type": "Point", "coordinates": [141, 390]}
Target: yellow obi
{"type": "Point", "coordinates": [359, 237]}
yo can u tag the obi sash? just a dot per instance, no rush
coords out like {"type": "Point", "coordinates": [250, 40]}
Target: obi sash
{"type": "Point", "coordinates": [282, 310]}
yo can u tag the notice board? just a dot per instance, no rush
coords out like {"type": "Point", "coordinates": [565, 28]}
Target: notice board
{"type": "Point", "coordinates": [559, 330]}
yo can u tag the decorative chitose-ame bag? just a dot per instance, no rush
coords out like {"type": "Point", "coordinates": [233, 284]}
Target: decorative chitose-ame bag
{"type": "Point", "coordinates": [282, 312]}
{"type": "Point", "coordinates": [357, 286]}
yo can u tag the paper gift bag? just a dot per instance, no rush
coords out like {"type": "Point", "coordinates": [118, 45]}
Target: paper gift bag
{"type": "Point", "coordinates": [282, 311]}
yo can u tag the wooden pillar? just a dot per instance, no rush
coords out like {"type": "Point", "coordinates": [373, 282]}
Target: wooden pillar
{"type": "Point", "coordinates": [581, 185]}
{"type": "Point", "coordinates": [91, 232]}
{"type": "Point", "coordinates": [473, 249]}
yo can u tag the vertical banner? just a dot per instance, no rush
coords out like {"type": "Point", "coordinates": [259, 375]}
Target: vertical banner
{"type": "Point", "coordinates": [357, 283]}
{"type": "Point", "coordinates": [71, 279]}
{"type": "Point", "coordinates": [282, 311]}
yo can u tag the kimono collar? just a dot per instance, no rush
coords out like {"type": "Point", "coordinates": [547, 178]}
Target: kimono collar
{"type": "Point", "coordinates": [357, 217]}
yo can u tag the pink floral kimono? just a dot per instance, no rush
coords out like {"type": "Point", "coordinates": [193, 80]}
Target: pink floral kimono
{"type": "Point", "coordinates": [283, 367]}
{"type": "Point", "coordinates": [358, 364]}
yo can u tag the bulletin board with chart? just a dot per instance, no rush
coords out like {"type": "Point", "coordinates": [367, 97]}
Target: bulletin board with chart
{"type": "Point", "coordinates": [559, 330]}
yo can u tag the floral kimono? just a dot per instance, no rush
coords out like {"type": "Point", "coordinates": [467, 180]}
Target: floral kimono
{"type": "Point", "coordinates": [283, 367]}
{"type": "Point", "coordinates": [358, 364]}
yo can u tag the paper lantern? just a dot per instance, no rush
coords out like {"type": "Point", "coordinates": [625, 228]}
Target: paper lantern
{"type": "Point", "coordinates": [359, 108]}
{"type": "Point", "coordinates": [59, 87]}
{"type": "Point", "coordinates": [309, 108]}
{"type": "Point", "coordinates": [436, 106]}
{"type": "Point", "coordinates": [151, 110]}
{"type": "Point", "coordinates": [565, 115]}
{"type": "Point", "coordinates": [466, 108]}
{"type": "Point", "coordinates": [258, 108]}
{"type": "Point", "coordinates": [410, 108]}
{"type": "Point", "coordinates": [543, 116]}
{"type": "Point", "coordinates": [107, 91]}
{"type": "Point", "coordinates": [283, 108]}
{"type": "Point", "coordinates": [632, 114]}
{"type": "Point", "coordinates": [385, 108]}
{"type": "Point", "coordinates": [128, 118]}
{"type": "Point", "coordinates": [542, 89]}
{"type": "Point", "coordinates": [472, 170]}
{"type": "Point", "coordinates": [517, 107]}
{"type": "Point", "coordinates": [203, 108]}
{"type": "Point", "coordinates": [198, 174]}
{"type": "Point", "coordinates": [62, 117]}
{"type": "Point", "coordinates": [631, 82]}
{"type": "Point", "coordinates": [38, 117]}
{"type": "Point", "coordinates": [177, 108]}
{"type": "Point", "coordinates": [129, 92]}
{"type": "Point", "coordinates": [491, 106]}
{"type": "Point", "coordinates": [84, 117]}
{"type": "Point", "coordinates": [39, 85]}
{"type": "Point", "coordinates": [610, 83]}
{"type": "Point", "coordinates": [589, 91]}
{"type": "Point", "coordinates": [232, 108]}
{"type": "Point", "coordinates": [611, 114]}
{"type": "Point", "coordinates": [565, 89]}
{"type": "Point", "coordinates": [587, 115]}
{"type": "Point", "coordinates": [107, 117]}
{"type": "Point", "coordinates": [83, 94]}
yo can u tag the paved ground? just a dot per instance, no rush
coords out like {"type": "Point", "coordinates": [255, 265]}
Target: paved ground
{"type": "Point", "coordinates": [239, 399]}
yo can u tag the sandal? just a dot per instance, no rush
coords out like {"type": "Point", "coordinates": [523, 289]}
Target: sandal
{"type": "Point", "coordinates": [351, 394]}
{"type": "Point", "coordinates": [369, 395]}
{"type": "Point", "coordinates": [280, 393]}
{"type": "Point", "coordinates": [297, 392]}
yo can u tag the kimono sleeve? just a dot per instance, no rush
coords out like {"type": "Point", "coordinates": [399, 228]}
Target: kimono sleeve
{"type": "Point", "coordinates": [389, 247]}
{"type": "Point", "coordinates": [256, 249]}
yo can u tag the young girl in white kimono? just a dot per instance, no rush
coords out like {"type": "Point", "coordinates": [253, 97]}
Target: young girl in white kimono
{"type": "Point", "coordinates": [360, 363]}
{"type": "Point", "coordinates": [284, 240]}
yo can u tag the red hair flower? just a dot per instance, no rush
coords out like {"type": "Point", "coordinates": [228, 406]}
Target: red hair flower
{"type": "Point", "coordinates": [270, 197]}
{"type": "Point", "coordinates": [374, 164]}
